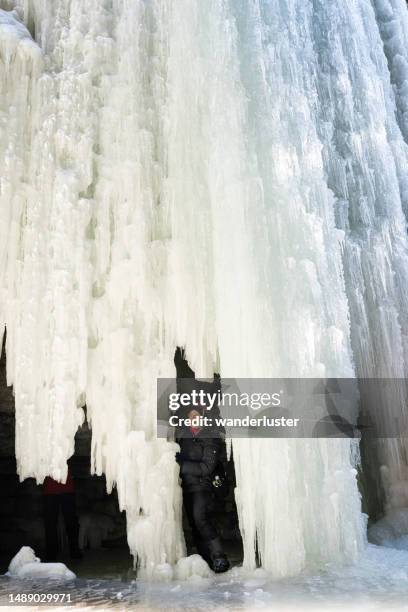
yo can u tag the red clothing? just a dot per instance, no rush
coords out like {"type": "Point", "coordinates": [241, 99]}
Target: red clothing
{"type": "Point", "coordinates": [52, 487]}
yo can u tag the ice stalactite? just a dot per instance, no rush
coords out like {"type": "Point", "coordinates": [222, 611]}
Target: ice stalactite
{"type": "Point", "coordinates": [21, 64]}
{"type": "Point", "coordinates": [101, 265]}
{"type": "Point", "coordinates": [207, 175]}
{"type": "Point", "coordinates": [47, 268]}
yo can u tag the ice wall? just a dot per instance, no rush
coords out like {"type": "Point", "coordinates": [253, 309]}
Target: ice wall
{"type": "Point", "coordinates": [208, 175]}
{"type": "Point", "coordinates": [363, 128]}
{"type": "Point", "coordinates": [392, 20]}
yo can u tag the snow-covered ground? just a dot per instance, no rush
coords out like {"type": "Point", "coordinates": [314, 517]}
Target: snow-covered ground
{"type": "Point", "coordinates": [378, 581]}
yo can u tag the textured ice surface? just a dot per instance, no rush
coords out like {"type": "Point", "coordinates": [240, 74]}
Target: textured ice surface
{"type": "Point", "coordinates": [192, 568]}
{"type": "Point", "coordinates": [378, 582]}
{"type": "Point", "coordinates": [393, 25]}
{"type": "Point", "coordinates": [25, 555]}
{"type": "Point", "coordinates": [225, 176]}
{"type": "Point", "coordinates": [391, 530]}
{"type": "Point", "coordinates": [26, 565]}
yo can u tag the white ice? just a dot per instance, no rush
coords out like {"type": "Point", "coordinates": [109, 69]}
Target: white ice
{"type": "Point", "coordinates": [26, 565]}
{"type": "Point", "coordinates": [225, 176]}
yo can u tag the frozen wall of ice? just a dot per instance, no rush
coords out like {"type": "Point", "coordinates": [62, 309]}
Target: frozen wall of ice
{"type": "Point", "coordinates": [207, 175]}
{"type": "Point", "coordinates": [363, 128]}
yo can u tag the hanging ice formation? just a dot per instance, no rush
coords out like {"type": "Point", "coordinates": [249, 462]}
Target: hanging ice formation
{"type": "Point", "coordinates": [224, 176]}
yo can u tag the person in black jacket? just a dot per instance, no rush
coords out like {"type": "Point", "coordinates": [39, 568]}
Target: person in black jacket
{"type": "Point", "coordinates": [201, 453]}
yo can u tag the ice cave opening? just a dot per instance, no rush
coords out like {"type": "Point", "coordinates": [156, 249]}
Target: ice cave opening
{"type": "Point", "coordinates": [102, 526]}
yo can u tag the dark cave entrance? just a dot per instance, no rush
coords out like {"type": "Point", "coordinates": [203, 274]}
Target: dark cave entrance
{"type": "Point", "coordinates": [102, 532]}
{"type": "Point", "coordinates": [102, 527]}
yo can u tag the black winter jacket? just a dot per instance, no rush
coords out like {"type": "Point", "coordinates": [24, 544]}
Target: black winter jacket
{"type": "Point", "coordinates": [199, 457]}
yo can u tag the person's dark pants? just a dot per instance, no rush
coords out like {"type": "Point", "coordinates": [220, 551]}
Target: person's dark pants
{"type": "Point", "coordinates": [199, 506]}
{"type": "Point", "coordinates": [52, 506]}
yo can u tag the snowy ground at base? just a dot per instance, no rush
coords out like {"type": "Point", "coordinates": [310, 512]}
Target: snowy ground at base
{"type": "Point", "coordinates": [378, 582]}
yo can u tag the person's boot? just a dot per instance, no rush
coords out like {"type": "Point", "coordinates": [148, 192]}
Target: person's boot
{"type": "Point", "coordinates": [215, 556]}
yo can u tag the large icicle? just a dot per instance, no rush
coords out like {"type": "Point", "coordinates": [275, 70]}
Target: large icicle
{"type": "Point", "coordinates": [20, 61]}
{"type": "Point", "coordinates": [86, 324]}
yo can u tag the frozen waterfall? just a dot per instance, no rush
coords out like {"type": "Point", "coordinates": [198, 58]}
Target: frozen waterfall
{"type": "Point", "coordinates": [228, 176]}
